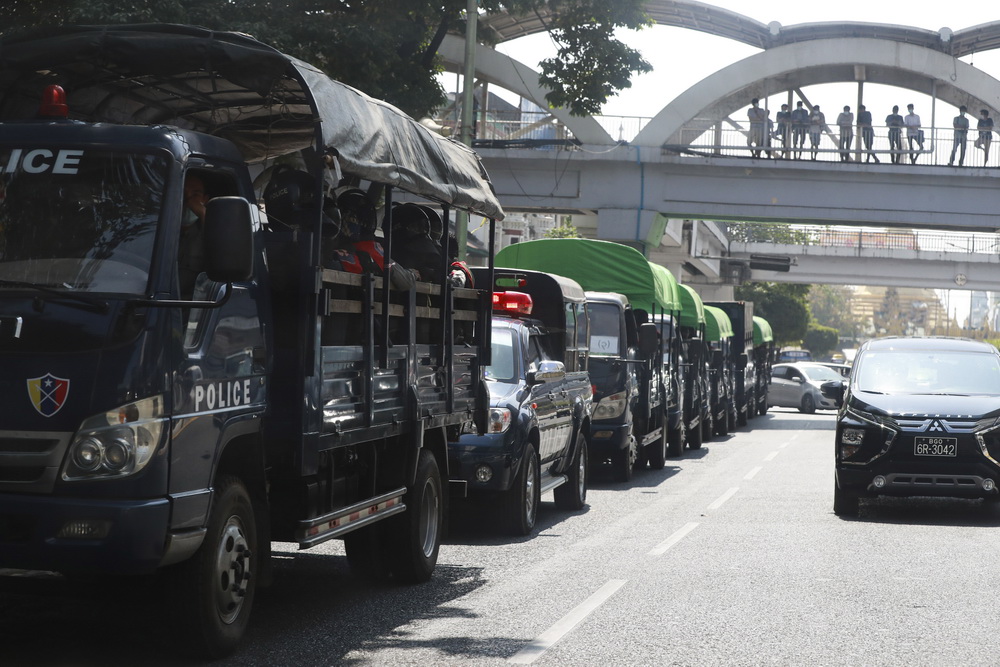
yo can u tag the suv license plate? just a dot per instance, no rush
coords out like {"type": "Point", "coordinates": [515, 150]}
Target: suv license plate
{"type": "Point", "coordinates": [924, 446]}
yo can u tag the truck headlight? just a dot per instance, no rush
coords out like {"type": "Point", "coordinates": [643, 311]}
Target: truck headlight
{"type": "Point", "coordinates": [611, 406]}
{"type": "Point", "coordinates": [499, 420]}
{"type": "Point", "coordinates": [116, 443]}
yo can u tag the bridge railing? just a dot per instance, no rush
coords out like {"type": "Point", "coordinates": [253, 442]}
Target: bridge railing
{"type": "Point", "coordinates": [711, 137]}
{"type": "Point", "coordinates": [861, 238]}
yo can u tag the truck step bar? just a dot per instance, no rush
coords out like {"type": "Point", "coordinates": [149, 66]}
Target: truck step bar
{"type": "Point", "coordinates": [335, 524]}
{"type": "Point", "coordinates": [553, 482]}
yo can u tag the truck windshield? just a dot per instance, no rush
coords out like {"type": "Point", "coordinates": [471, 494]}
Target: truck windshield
{"type": "Point", "coordinates": [605, 330]}
{"type": "Point", "coordinates": [78, 220]}
{"type": "Point", "coordinates": [501, 368]}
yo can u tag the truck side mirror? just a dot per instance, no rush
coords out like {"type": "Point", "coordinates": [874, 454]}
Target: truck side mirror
{"type": "Point", "coordinates": [547, 371]}
{"type": "Point", "coordinates": [228, 239]}
{"type": "Point", "coordinates": [649, 340]}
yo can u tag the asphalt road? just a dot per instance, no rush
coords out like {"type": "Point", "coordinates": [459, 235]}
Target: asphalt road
{"type": "Point", "coordinates": [729, 556]}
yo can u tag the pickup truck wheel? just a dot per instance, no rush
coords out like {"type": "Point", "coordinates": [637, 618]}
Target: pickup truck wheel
{"type": "Point", "coordinates": [675, 439]}
{"type": "Point", "coordinates": [656, 453]}
{"type": "Point", "coordinates": [212, 592]}
{"type": "Point", "coordinates": [572, 496]}
{"type": "Point", "coordinates": [694, 437]}
{"type": "Point", "coordinates": [623, 461]}
{"type": "Point", "coordinates": [414, 537]}
{"type": "Point", "coordinates": [522, 501]}
{"type": "Point", "coordinates": [845, 503]}
{"type": "Point", "coordinates": [808, 404]}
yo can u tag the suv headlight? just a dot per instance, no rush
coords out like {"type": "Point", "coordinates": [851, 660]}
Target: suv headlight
{"type": "Point", "coordinates": [611, 406]}
{"type": "Point", "coordinates": [116, 443]}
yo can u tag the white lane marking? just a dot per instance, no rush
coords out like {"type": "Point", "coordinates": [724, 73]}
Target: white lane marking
{"type": "Point", "coordinates": [565, 625]}
{"type": "Point", "coordinates": [723, 498]}
{"type": "Point", "coordinates": [662, 547]}
{"type": "Point", "coordinates": [753, 473]}
{"type": "Point", "coordinates": [770, 457]}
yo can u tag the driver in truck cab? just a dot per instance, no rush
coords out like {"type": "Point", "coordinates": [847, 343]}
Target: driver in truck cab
{"type": "Point", "coordinates": [191, 255]}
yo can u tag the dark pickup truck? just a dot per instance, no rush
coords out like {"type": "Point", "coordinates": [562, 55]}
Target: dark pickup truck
{"type": "Point", "coordinates": [540, 401]}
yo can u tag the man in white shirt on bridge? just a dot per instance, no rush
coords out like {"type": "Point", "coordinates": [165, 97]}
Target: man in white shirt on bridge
{"type": "Point", "coordinates": [913, 132]}
{"type": "Point", "coordinates": [960, 131]}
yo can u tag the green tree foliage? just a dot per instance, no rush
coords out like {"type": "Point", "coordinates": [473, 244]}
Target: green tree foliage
{"type": "Point", "coordinates": [820, 340]}
{"type": "Point", "coordinates": [784, 307]}
{"type": "Point", "coordinates": [831, 305]}
{"type": "Point", "coordinates": [387, 48]}
{"type": "Point", "coordinates": [566, 230]}
{"type": "Point", "coordinates": [767, 232]}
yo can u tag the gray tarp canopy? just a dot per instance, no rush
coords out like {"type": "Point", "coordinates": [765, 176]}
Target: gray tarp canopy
{"type": "Point", "coordinates": [232, 86]}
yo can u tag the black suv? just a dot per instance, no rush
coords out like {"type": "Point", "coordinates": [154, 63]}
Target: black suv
{"type": "Point", "coordinates": [920, 417]}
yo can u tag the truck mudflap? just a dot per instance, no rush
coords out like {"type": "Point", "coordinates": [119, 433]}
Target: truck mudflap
{"type": "Point", "coordinates": [342, 521]}
{"type": "Point", "coordinates": [81, 535]}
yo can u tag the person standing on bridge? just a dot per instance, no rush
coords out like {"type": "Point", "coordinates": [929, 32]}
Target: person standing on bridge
{"type": "Point", "coordinates": [913, 132]}
{"type": "Point", "coordinates": [867, 132]}
{"type": "Point", "coordinates": [985, 127]}
{"type": "Point", "coordinates": [758, 126]}
{"type": "Point", "coordinates": [817, 121]}
{"type": "Point", "coordinates": [783, 128]}
{"type": "Point", "coordinates": [800, 121]}
{"type": "Point", "coordinates": [960, 126]}
{"type": "Point", "coordinates": [846, 123]}
{"type": "Point", "coordinates": [895, 124]}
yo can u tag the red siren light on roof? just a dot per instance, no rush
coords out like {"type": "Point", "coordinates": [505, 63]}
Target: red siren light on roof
{"type": "Point", "coordinates": [512, 303]}
{"type": "Point", "coordinates": [53, 103]}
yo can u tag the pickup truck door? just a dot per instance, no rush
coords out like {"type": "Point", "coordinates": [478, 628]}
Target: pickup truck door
{"type": "Point", "coordinates": [546, 397]}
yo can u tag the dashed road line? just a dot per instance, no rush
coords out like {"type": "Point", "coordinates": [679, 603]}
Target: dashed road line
{"type": "Point", "coordinates": [662, 547]}
{"type": "Point", "coordinates": [566, 624]}
{"type": "Point", "coordinates": [770, 457]}
{"type": "Point", "coordinates": [753, 473]}
{"type": "Point", "coordinates": [723, 498]}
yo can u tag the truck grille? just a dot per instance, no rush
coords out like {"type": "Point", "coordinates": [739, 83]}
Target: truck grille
{"type": "Point", "coordinates": [29, 461]}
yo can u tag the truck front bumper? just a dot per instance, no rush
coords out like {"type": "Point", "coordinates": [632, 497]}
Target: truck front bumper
{"type": "Point", "coordinates": [77, 535]}
{"type": "Point", "coordinates": [607, 439]}
{"type": "Point", "coordinates": [487, 463]}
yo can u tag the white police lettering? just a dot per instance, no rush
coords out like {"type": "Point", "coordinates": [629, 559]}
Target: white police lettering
{"type": "Point", "coordinates": [41, 160]}
{"type": "Point", "coordinates": [218, 395]}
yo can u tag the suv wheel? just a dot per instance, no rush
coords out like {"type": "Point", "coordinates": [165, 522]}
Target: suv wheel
{"type": "Point", "coordinates": [845, 503]}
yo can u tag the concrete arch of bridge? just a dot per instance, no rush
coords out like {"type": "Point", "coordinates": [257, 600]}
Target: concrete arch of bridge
{"type": "Point", "coordinates": [821, 61]}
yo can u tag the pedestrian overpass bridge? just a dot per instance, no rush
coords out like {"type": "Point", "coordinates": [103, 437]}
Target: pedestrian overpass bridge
{"type": "Point", "coordinates": [691, 162]}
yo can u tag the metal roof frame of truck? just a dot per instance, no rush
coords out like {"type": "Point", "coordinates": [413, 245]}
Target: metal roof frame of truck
{"type": "Point", "coordinates": [230, 85]}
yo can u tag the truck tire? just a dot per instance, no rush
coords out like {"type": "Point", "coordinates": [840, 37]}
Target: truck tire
{"type": "Point", "coordinates": [365, 553]}
{"type": "Point", "coordinates": [707, 425]}
{"type": "Point", "coordinates": [675, 439]}
{"type": "Point", "coordinates": [656, 453]}
{"type": "Point", "coordinates": [762, 405]}
{"type": "Point", "coordinates": [520, 503]}
{"type": "Point", "coordinates": [694, 437]}
{"type": "Point", "coordinates": [752, 405]}
{"type": "Point", "coordinates": [414, 537]}
{"type": "Point", "coordinates": [213, 591]}
{"type": "Point", "coordinates": [623, 461]}
{"type": "Point", "coordinates": [572, 496]}
{"type": "Point", "coordinates": [743, 415]}
{"type": "Point", "coordinates": [722, 423]}
{"type": "Point", "coordinates": [845, 503]}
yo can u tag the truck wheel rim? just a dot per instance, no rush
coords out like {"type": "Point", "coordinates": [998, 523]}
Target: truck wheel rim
{"type": "Point", "coordinates": [581, 473]}
{"type": "Point", "coordinates": [529, 493]}
{"type": "Point", "coordinates": [232, 562]}
{"type": "Point", "coordinates": [429, 506]}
